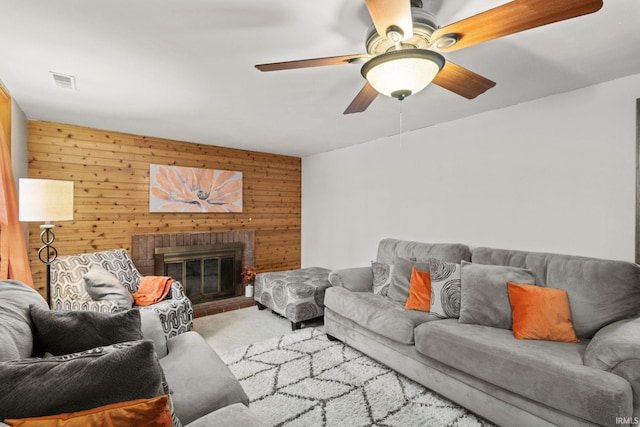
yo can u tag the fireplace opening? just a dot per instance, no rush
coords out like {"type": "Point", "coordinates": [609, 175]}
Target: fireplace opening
{"type": "Point", "coordinates": [207, 272]}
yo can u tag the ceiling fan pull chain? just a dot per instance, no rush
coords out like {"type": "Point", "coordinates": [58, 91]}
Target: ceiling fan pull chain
{"type": "Point", "coordinates": [400, 123]}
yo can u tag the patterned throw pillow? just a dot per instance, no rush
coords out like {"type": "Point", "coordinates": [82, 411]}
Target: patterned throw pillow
{"type": "Point", "coordinates": [381, 277]}
{"type": "Point", "coordinates": [445, 288]}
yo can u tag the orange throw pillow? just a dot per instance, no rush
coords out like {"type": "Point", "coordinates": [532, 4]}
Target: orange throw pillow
{"type": "Point", "coordinates": [135, 413]}
{"type": "Point", "coordinates": [419, 291]}
{"type": "Point", "coordinates": [540, 313]}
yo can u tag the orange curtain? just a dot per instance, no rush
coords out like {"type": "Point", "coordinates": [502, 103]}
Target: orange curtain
{"type": "Point", "coordinates": [14, 263]}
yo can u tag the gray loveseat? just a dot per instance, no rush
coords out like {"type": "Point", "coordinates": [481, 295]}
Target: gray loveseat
{"type": "Point", "coordinates": [203, 390]}
{"type": "Point", "coordinates": [509, 381]}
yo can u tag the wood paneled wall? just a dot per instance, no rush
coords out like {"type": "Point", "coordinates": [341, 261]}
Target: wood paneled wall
{"type": "Point", "coordinates": [110, 171]}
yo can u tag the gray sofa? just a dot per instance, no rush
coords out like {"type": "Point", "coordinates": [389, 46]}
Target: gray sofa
{"type": "Point", "coordinates": [509, 381]}
{"type": "Point", "coordinates": [202, 390]}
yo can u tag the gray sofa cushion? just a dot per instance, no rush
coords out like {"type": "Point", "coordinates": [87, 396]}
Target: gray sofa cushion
{"type": "Point", "coordinates": [389, 249]}
{"type": "Point", "coordinates": [102, 285]}
{"type": "Point", "coordinates": [551, 373]}
{"type": "Point", "coordinates": [200, 381]}
{"type": "Point", "coordinates": [16, 338]}
{"type": "Point", "coordinates": [600, 291]}
{"type": "Point", "coordinates": [484, 296]}
{"type": "Point", "coordinates": [358, 279]}
{"type": "Point", "coordinates": [38, 387]}
{"type": "Point", "coordinates": [64, 332]}
{"type": "Point", "coordinates": [401, 278]}
{"type": "Point", "coordinates": [377, 313]}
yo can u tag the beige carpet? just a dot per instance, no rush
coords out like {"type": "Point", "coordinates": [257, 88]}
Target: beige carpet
{"type": "Point", "coordinates": [238, 328]}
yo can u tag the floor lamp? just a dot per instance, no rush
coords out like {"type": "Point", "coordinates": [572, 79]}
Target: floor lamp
{"type": "Point", "coordinates": [46, 200]}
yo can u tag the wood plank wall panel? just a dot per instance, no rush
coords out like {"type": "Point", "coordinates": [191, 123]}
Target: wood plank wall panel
{"type": "Point", "coordinates": [111, 192]}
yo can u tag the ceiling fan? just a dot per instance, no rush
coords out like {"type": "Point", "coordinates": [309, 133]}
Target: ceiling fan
{"type": "Point", "coordinates": [405, 43]}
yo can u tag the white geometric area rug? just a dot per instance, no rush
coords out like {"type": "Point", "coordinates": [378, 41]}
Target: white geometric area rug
{"type": "Point", "coordinates": [303, 379]}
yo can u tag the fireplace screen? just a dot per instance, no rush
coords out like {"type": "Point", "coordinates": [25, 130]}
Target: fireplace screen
{"type": "Point", "coordinates": [207, 272]}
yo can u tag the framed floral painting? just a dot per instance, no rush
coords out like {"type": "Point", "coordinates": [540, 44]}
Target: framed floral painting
{"type": "Point", "coordinates": [194, 190]}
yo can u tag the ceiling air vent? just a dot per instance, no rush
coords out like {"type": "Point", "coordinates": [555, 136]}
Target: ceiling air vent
{"type": "Point", "coordinates": [63, 81]}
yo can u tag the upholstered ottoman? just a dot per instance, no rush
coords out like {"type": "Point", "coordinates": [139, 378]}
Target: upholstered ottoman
{"type": "Point", "coordinates": [297, 295]}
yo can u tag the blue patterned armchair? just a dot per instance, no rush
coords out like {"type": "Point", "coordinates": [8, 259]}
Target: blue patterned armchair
{"type": "Point", "coordinates": [68, 291]}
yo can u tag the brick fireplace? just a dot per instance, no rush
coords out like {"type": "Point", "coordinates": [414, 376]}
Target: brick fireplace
{"type": "Point", "coordinates": [207, 272]}
{"type": "Point", "coordinates": [149, 250]}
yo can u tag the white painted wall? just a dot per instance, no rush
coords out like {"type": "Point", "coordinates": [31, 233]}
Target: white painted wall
{"type": "Point", "coordinates": [19, 151]}
{"type": "Point", "coordinates": [19, 146]}
{"type": "Point", "coordinates": [554, 175]}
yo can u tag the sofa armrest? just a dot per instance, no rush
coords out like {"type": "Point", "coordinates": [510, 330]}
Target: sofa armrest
{"type": "Point", "coordinates": [359, 279]}
{"type": "Point", "coordinates": [236, 415]}
{"type": "Point", "coordinates": [78, 304]}
{"type": "Point", "coordinates": [177, 290]}
{"type": "Point", "coordinates": [616, 349]}
{"type": "Point", "coordinates": [200, 381]}
{"type": "Point", "coordinates": [615, 343]}
{"type": "Point", "coordinates": [151, 327]}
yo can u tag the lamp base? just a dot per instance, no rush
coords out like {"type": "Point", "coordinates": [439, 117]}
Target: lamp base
{"type": "Point", "coordinates": [47, 253]}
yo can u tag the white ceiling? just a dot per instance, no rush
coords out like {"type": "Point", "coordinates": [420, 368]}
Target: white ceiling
{"type": "Point", "coordinates": [183, 69]}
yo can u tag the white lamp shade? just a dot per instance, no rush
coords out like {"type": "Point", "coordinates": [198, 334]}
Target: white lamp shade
{"type": "Point", "coordinates": [402, 72]}
{"type": "Point", "coordinates": [44, 200]}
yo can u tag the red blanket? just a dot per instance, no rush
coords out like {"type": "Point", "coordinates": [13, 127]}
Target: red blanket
{"type": "Point", "coordinates": [152, 289]}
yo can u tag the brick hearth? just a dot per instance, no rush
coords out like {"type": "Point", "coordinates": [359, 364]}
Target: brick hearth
{"type": "Point", "coordinates": [220, 306]}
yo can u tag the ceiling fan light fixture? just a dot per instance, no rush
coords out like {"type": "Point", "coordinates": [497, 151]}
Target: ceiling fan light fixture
{"type": "Point", "coordinates": [404, 72]}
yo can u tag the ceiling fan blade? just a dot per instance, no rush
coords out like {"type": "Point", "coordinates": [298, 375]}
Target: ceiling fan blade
{"type": "Point", "coordinates": [391, 13]}
{"type": "Point", "coordinates": [363, 99]}
{"type": "Point", "coordinates": [307, 63]}
{"type": "Point", "coordinates": [511, 18]}
{"type": "Point", "coordinates": [464, 82]}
